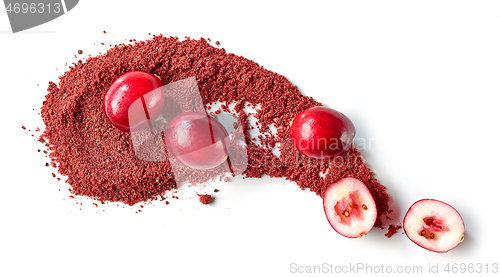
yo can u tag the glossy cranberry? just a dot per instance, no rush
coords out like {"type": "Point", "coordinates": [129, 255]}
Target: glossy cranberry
{"type": "Point", "coordinates": [197, 140]}
{"type": "Point", "coordinates": [322, 133]}
{"type": "Point", "coordinates": [133, 98]}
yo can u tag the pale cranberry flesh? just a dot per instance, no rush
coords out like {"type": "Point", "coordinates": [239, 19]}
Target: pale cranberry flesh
{"type": "Point", "coordinates": [349, 207]}
{"type": "Point", "coordinates": [133, 99]}
{"type": "Point", "coordinates": [434, 225]}
{"type": "Point", "coordinates": [322, 133]}
{"type": "Point", "coordinates": [197, 140]}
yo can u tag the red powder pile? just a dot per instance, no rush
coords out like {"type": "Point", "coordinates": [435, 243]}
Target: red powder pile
{"type": "Point", "coordinates": [99, 160]}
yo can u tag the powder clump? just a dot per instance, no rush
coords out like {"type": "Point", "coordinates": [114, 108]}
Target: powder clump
{"type": "Point", "coordinates": [392, 230]}
{"type": "Point", "coordinates": [205, 199]}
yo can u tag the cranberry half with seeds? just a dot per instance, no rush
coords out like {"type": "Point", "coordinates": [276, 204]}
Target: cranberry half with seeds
{"type": "Point", "coordinates": [349, 207]}
{"type": "Point", "coordinates": [133, 99]}
{"type": "Point", "coordinates": [434, 225]}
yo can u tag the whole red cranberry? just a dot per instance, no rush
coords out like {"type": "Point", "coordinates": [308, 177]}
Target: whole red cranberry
{"type": "Point", "coordinates": [322, 133]}
{"type": "Point", "coordinates": [197, 140]}
{"type": "Point", "coordinates": [133, 98]}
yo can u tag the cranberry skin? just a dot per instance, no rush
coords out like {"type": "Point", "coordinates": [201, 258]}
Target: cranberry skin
{"type": "Point", "coordinates": [322, 133]}
{"type": "Point", "coordinates": [122, 104]}
{"type": "Point", "coordinates": [197, 140]}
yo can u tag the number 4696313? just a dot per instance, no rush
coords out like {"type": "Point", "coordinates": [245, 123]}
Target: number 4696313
{"type": "Point", "coordinates": [471, 268]}
{"type": "Point", "coordinates": [34, 8]}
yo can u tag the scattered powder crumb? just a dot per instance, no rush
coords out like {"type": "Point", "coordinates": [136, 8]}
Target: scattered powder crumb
{"type": "Point", "coordinates": [392, 230]}
{"type": "Point", "coordinates": [80, 52]}
{"type": "Point", "coordinates": [166, 202]}
{"type": "Point", "coordinates": [205, 198]}
{"type": "Point", "coordinates": [216, 190]}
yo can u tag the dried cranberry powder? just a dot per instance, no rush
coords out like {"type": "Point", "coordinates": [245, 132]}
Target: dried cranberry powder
{"type": "Point", "coordinates": [205, 199]}
{"type": "Point", "coordinates": [393, 230]}
{"type": "Point", "coordinates": [99, 160]}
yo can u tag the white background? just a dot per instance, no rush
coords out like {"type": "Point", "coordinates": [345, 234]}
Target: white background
{"type": "Point", "coordinates": [418, 79]}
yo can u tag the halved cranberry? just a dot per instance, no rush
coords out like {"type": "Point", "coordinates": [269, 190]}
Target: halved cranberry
{"type": "Point", "coordinates": [349, 207]}
{"type": "Point", "coordinates": [434, 225]}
